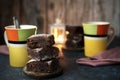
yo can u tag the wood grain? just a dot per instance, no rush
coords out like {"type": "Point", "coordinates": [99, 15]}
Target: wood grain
{"type": "Point", "coordinates": [56, 9]}
{"type": "Point", "coordinates": [42, 13]}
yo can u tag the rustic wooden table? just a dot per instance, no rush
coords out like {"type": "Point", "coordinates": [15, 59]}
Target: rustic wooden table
{"type": "Point", "coordinates": [71, 70]}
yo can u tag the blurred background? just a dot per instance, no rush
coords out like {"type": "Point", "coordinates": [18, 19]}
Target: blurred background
{"type": "Point", "coordinates": [42, 13]}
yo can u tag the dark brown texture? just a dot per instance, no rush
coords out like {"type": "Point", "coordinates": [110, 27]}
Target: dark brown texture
{"type": "Point", "coordinates": [74, 38]}
{"type": "Point", "coordinates": [45, 53]}
{"type": "Point", "coordinates": [40, 40]}
{"type": "Point", "coordinates": [43, 66]}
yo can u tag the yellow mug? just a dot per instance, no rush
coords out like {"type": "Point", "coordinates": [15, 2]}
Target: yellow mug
{"type": "Point", "coordinates": [95, 45]}
{"type": "Point", "coordinates": [18, 54]}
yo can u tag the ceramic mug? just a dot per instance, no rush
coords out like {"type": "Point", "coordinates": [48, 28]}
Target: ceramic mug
{"type": "Point", "coordinates": [16, 42]}
{"type": "Point", "coordinates": [94, 45]}
{"type": "Point", "coordinates": [15, 35]}
{"type": "Point", "coordinates": [96, 28]}
{"type": "Point", "coordinates": [18, 54]}
{"type": "Point", "coordinates": [96, 38]}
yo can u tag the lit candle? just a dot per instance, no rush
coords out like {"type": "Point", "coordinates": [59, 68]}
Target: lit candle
{"type": "Point", "coordinates": [58, 30]}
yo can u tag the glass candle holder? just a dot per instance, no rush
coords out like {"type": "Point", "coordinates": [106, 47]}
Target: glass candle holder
{"type": "Point", "coordinates": [58, 30]}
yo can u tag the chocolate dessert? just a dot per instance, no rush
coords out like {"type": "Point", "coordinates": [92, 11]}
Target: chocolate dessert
{"type": "Point", "coordinates": [74, 36]}
{"type": "Point", "coordinates": [74, 29]}
{"type": "Point", "coordinates": [45, 53]}
{"type": "Point", "coordinates": [74, 41]}
{"type": "Point", "coordinates": [43, 66]}
{"type": "Point", "coordinates": [44, 56]}
{"type": "Point", "coordinates": [40, 40]}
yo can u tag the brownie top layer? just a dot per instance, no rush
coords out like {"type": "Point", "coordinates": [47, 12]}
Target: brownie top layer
{"type": "Point", "coordinates": [40, 35]}
{"type": "Point", "coordinates": [40, 40]}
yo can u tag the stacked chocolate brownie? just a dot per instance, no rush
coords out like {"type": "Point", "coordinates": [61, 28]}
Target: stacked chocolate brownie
{"type": "Point", "coordinates": [44, 56]}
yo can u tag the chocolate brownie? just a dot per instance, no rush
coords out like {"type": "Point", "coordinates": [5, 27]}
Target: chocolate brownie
{"type": "Point", "coordinates": [74, 41]}
{"type": "Point", "coordinates": [42, 66]}
{"type": "Point", "coordinates": [74, 38]}
{"type": "Point", "coordinates": [77, 37]}
{"type": "Point", "coordinates": [44, 53]}
{"type": "Point", "coordinates": [74, 29]}
{"type": "Point", "coordinates": [40, 40]}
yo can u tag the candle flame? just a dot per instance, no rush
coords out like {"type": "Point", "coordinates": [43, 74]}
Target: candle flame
{"type": "Point", "coordinates": [67, 32]}
{"type": "Point", "coordinates": [59, 35]}
{"type": "Point", "coordinates": [60, 38]}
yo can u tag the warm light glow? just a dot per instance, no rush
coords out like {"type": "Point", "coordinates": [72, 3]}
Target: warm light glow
{"type": "Point", "coordinates": [67, 32]}
{"type": "Point", "coordinates": [55, 34]}
{"type": "Point", "coordinates": [58, 35]}
{"type": "Point", "coordinates": [60, 38]}
{"type": "Point", "coordinates": [59, 46]}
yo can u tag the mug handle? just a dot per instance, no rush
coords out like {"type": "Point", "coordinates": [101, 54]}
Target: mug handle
{"type": "Point", "coordinates": [111, 35]}
{"type": "Point", "coordinates": [5, 38]}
